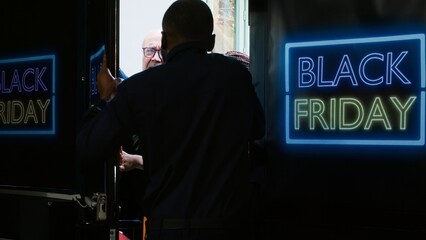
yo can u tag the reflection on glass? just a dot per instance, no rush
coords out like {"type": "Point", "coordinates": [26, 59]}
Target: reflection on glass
{"type": "Point", "coordinates": [223, 12]}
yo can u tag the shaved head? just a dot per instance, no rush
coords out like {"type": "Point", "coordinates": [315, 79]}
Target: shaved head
{"type": "Point", "coordinates": [189, 19]}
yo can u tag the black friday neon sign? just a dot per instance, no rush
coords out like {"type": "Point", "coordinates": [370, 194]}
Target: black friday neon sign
{"type": "Point", "coordinates": [364, 91]}
{"type": "Point", "coordinates": [28, 95]}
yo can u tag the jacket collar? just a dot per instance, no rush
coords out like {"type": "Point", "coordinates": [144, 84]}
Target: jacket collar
{"type": "Point", "coordinates": [185, 47]}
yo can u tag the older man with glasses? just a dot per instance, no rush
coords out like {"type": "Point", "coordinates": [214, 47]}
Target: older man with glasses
{"type": "Point", "coordinates": [151, 48]}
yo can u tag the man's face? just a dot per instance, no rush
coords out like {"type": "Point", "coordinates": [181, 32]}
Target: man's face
{"type": "Point", "coordinates": [151, 55]}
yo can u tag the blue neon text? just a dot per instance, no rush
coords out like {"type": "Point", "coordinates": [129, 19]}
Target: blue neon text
{"type": "Point", "coordinates": [307, 76]}
{"type": "Point", "coordinates": [31, 80]}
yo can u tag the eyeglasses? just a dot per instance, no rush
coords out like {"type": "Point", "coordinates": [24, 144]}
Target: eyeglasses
{"type": "Point", "coordinates": [149, 52]}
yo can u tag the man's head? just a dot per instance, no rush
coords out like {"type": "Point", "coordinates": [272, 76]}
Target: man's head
{"type": "Point", "coordinates": [151, 50]}
{"type": "Point", "coordinates": [186, 21]}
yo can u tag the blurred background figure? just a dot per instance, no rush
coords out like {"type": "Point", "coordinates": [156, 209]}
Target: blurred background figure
{"type": "Point", "coordinates": [240, 56]}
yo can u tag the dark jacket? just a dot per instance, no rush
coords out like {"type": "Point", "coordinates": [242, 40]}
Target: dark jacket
{"type": "Point", "coordinates": [195, 116]}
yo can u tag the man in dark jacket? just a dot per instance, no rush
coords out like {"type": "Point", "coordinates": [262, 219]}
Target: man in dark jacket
{"type": "Point", "coordinates": [195, 116]}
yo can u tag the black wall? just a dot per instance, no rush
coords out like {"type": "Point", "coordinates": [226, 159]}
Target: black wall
{"type": "Point", "coordinates": [33, 164]}
{"type": "Point", "coordinates": [34, 28]}
{"type": "Point", "coordinates": [333, 191]}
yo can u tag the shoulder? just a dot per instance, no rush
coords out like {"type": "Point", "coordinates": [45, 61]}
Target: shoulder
{"type": "Point", "coordinates": [229, 60]}
{"type": "Point", "coordinates": [143, 80]}
{"type": "Point", "coordinates": [223, 60]}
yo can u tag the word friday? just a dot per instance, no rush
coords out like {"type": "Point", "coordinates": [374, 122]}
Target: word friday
{"type": "Point", "coordinates": [364, 116]}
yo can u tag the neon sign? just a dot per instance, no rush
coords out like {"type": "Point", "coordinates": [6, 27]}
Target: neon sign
{"type": "Point", "coordinates": [27, 90]}
{"type": "Point", "coordinates": [95, 67]}
{"type": "Point", "coordinates": [364, 91]}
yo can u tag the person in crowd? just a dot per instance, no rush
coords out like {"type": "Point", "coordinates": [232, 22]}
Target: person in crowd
{"type": "Point", "coordinates": [151, 48]}
{"type": "Point", "coordinates": [130, 193]}
{"type": "Point", "coordinates": [195, 115]}
{"type": "Point", "coordinates": [239, 56]}
{"type": "Point", "coordinates": [107, 85]}
{"type": "Point", "coordinates": [151, 57]}
{"type": "Point", "coordinates": [133, 182]}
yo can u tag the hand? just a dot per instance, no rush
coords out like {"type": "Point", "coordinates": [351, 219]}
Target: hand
{"type": "Point", "coordinates": [129, 161]}
{"type": "Point", "coordinates": [105, 82]}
